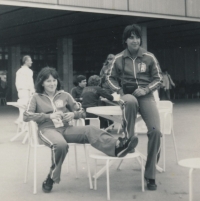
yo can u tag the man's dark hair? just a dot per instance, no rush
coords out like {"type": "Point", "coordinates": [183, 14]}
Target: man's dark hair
{"type": "Point", "coordinates": [135, 29]}
{"type": "Point", "coordinates": [80, 78]}
{"type": "Point", "coordinates": [44, 75]}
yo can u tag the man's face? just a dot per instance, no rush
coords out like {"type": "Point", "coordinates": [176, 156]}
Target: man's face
{"type": "Point", "coordinates": [82, 83]}
{"type": "Point", "coordinates": [28, 62]}
{"type": "Point", "coordinates": [133, 42]}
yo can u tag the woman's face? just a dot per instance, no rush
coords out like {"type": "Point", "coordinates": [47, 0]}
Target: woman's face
{"type": "Point", "coordinates": [50, 84]}
{"type": "Point", "coordinates": [133, 42]}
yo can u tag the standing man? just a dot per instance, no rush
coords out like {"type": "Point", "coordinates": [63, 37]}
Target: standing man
{"type": "Point", "coordinates": [77, 91]}
{"type": "Point", "coordinates": [135, 74]}
{"type": "Point", "coordinates": [24, 83]}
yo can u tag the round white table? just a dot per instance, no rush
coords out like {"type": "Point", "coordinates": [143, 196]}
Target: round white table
{"type": "Point", "coordinates": [192, 163]}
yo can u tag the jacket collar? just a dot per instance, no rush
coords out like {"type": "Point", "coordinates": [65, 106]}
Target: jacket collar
{"type": "Point", "coordinates": [140, 52]}
{"type": "Point", "coordinates": [57, 92]}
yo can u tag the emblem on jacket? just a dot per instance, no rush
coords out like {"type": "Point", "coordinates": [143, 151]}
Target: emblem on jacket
{"type": "Point", "coordinates": [142, 67]}
{"type": "Point", "coordinates": [59, 103]}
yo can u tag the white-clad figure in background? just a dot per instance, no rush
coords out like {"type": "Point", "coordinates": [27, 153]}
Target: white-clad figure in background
{"type": "Point", "coordinates": [24, 84]}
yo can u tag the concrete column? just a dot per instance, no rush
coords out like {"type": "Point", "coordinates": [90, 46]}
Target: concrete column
{"type": "Point", "coordinates": [14, 57]}
{"type": "Point", "coordinates": [144, 37]}
{"type": "Point", "coordinates": [65, 62]}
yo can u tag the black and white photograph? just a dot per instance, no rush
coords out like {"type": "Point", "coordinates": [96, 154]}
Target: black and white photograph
{"type": "Point", "coordinates": [100, 100]}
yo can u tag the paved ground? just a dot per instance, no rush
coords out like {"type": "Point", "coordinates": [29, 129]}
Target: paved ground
{"type": "Point", "coordinates": [125, 184]}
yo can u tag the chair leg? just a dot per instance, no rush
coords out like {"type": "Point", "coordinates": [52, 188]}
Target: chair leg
{"type": "Point", "coordinates": [190, 184]}
{"type": "Point", "coordinates": [95, 172]}
{"type": "Point", "coordinates": [76, 162]}
{"type": "Point", "coordinates": [142, 173]}
{"type": "Point", "coordinates": [108, 179]}
{"type": "Point", "coordinates": [88, 166]}
{"type": "Point", "coordinates": [67, 162]}
{"type": "Point", "coordinates": [35, 171]}
{"type": "Point", "coordinates": [27, 161]}
{"type": "Point", "coordinates": [102, 170]}
{"type": "Point", "coordinates": [118, 167]}
{"type": "Point", "coordinates": [23, 130]}
{"type": "Point", "coordinates": [119, 127]}
{"type": "Point", "coordinates": [175, 147]}
{"type": "Point", "coordinates": [25, 138]}
{"type": "Point", "coordinates": [163, 145]}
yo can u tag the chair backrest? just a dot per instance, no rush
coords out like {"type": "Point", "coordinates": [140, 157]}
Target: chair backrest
{"type": "Point", "coordinates": [94, 122]}
{"type": "Point", "coordinates": [166, 116]}
{"type": "Point", "coordinates": [165, 105]}
{"type": "Point", "coordinates": [78, 122]}
{"type": "Point", "coordinates": [33, 134]}
{"type": "Point", "coordinates": [156, 96]}
{"type": "Point", "coordinates": [72, 90]}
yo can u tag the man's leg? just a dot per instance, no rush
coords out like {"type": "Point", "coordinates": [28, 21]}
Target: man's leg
{"type": "Point", "coordinates": [129, 106]}
{"type": "Point", "coordinates": [55, 140]}
{"type": "Point", "coordinates": [150, 115]}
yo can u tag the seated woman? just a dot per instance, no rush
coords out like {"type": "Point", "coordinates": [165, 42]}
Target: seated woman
{"type": "Point", "coordinates": [105, 71]}
{"type": "Point", "coordinates": [91, 97]}
{"type": "Point", "coordinates": [53, 109]}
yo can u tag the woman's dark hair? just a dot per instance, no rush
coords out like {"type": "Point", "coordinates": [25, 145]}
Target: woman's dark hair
{"type": "Point", "coordinates": [135, 29]}
{"type": "Point", "coordinates": [94, 80]}
{"type": "Point", "coordinates": [44, 75]}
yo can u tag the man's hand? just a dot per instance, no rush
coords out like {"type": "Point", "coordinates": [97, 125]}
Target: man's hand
{"type": "Point", "coordinates": [68, 116]}
{"type": "Point", "coordinates": [56, 115]}
{"type": "Point", "coordinates": [140, 92]}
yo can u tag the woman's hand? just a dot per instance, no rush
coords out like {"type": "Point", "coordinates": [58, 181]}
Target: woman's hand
{"type": "Point", "coordinates": [68, 116]}
{"type": "Point", "coordinates": [56, 115]}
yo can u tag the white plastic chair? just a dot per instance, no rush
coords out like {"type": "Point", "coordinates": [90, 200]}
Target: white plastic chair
{"type": "Point", "coordinates": [34, 142]}
{"type": "Point", "coordinates": [94, 122]}
{"type": "Point", "coordinates": [167, 128]}
{"type": "Point", "coordinates": [109, 161]}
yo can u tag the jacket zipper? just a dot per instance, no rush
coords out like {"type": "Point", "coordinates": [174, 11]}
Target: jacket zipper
{"type": "Point", "coordinates": [134, 70]}
{"type": "Point", "coordinates": [52, 103]}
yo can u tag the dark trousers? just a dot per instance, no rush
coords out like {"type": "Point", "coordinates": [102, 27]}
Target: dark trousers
{"type": "Point", "coordinates": [146, 105]}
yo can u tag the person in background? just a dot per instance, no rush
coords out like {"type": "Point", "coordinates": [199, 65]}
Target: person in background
{"type": "Point", "coordinates": [3, 85]}
{"type": "Point", "coordinates": [166, 86]}
{"type": "Point", "coordinates": [24, 84]}
{"type": "Point", "coordinates": [77, 91]}
{"type": "Point", "coordinates": [105, 72]}
{"type": "Point", "coordinates": [91, 97]}
{"type": "Point", "coordinates": [135, 74]}
{"type": "Point", "coordinates": [53, 109]}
